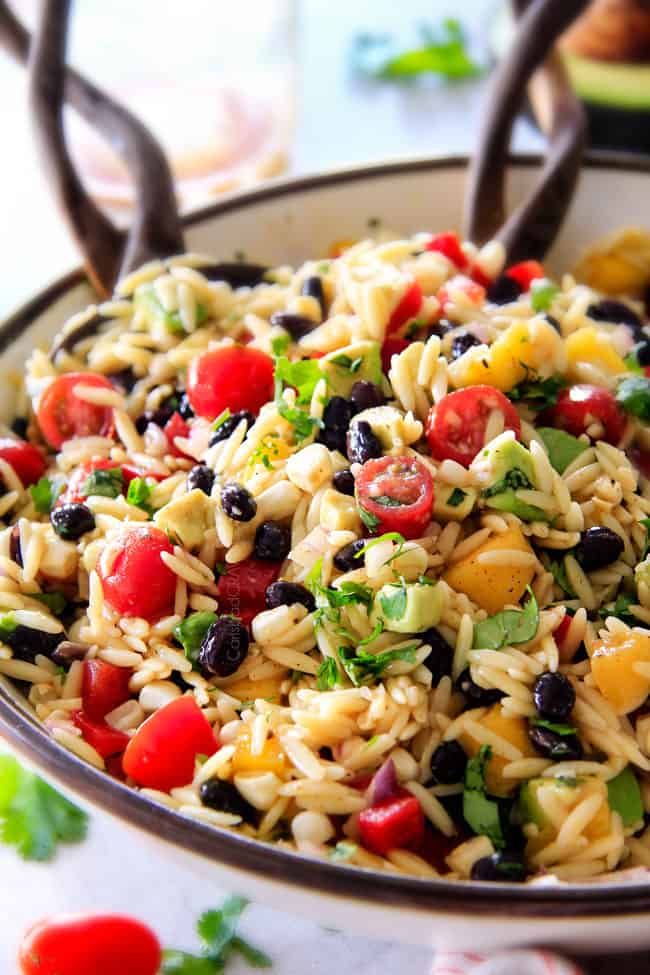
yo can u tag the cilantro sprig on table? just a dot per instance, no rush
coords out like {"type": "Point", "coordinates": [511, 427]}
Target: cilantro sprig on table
{"type": "Point", "coordinates": [217, 931]}
{"type": "Point", "coordinates": [441, 51]}
{"type": "Point", "coordinates": [34, 817]}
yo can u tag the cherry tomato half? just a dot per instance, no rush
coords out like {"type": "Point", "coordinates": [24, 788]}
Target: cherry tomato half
{"type": "Point", "coordinates": [396, 494]}
{"type": "Point", "coordinates": [241, 590]}
{"type": "Point", "coordinates": [525, 273]}
{"type": "Point", "coordinates": [27, 461]}
{"type": "Point", "coordinates": [103, 688]}
{"type": "Point", "coordinates": [163, 750]}
{"type": "Point", "coordinates": [234, 377]}
{"type": "Point", "coordinates": [449, 245]}
{"type": "Point", "coordinates": [74, 491]}
{"type": "Point", "coordinates": [81, 944]}
{"type": "Point", "coordinates": [456, 426]}
{"type": "Point", "coordinates": [392, 824]}
{"type": "Point", "coordinates": [391, 346]}
{"type": "Point", "coordinates": [579, 407]}
{"type": "Point", "coordinates": [407, 307]}
{"type": "Point", "coordinates": [107, 741]}
{"type": "Point", "coordinates": [139, 583]}
{"type": "Point", "coordinates": [475, 293]}
{"type": "Point", "coordinates": [61, 415]}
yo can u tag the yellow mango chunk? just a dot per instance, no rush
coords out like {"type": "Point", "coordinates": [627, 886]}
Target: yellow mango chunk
{"type": "Point", "coordinates": [524, 348]}
{"type": "Point", "coordinates": [246, 689]}
{"type": "Point", "coordinates": [614, 667]}
{"type": "Point", "coordinates": [593, 347]}
{"type": "Point", "coordinates": [513, 730]}
{"type": "Point", "coordinates": [270, 759]}
{"type": "Point", "coordinates": [492, 586]}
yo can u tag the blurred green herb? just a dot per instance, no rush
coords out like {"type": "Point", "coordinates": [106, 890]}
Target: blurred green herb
{"type": "Point", "coordinates": [441, 51]}
{"type": "Point", "coordinates": [219, 941]}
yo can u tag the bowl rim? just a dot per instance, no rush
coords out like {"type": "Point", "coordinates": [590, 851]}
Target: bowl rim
{"type": "Point", "coordinates": [26, 734]}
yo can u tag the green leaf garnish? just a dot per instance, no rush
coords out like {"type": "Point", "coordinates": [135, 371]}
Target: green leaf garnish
{"type": "Point", "coordinates": [480, 813]}
{"type": "Point", "coordinates": [394, 606]}
{"type": "Point", "coordinates": [280, 344]}
{"type": "Point", "coordinates": [363, 667]}
{"type": "Point", "coordinates": [456, 497]}
{"type": "Point", "coordinates": [370, 521]}
{"type": "Point", "coordinates": [303, 424]}
{"type": "Point", "coordinates": [191, 632]}
{"type": "Point", "coordinates": [562, 447]}
{"type": "Point", "coordinates": [45, 493]}
{"type": "Point", "coordinates": [105, 483]}
{"type": "Point", "coordinates": [442, 52]}
{"type": "Point", "coordinates": [219, 940]}
{"type": "Point", "coordinates": [542, 294]}
{"type": "Point", "coordinates": [620, 609]}
{"type": "Point", "coordinates": [138, 494]}
{"type": "Point", "coordinates": [509, 627]}
{"type": "Point", "coordinates": [55, 601]}
{"type": "Point", "coordinates": [221, 419]}
{"type": "Point", "coordinates": [563, 730]}
{"type": "Point", "coordinates": [633, 394]}
{"type": "Point", "coordinates": [328, 674]}
{"type": "Point", "coordinates": [558, 571]}
{"type": "Point", "coordinates": [304, 375]}
{"type": "Point", "coordinates": [624, 797]}
{"type": "Point", "coordinates": [345, 362]}
{"type": "Point", "coordinates": [538, 394]}
{"type": "Point", "coordinates": [387, 501]}
{"type": "Point", "coordinates": [513, 480]}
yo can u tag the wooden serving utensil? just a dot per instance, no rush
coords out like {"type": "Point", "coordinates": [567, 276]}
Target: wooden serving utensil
{"type": "Point", "coordinates": [530, 230]}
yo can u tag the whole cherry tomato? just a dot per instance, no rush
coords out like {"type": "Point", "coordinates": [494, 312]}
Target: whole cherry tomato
{"type": "Point", "coordinates": [234, 377]}
{"type": "Point", "coordinates": [27, 460]}
{"type": "Point", "coordinates": [138, 582]}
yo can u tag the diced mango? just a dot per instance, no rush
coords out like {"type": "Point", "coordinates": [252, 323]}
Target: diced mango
{"type": "Point", "coordinates": [614, 663]}
{"type": "Point", "coordinates": [246, 689]}
{"type": "Point", "coordinates": [513, 730]}
{"type": "Point", "coordinates": [614, 275]}
{"type": "Point", "coordinates": [492, 586]}
{"type": "Point", "coordinates": [590, 346]}
{"type": "Point", "coordinates": [270, 759]}
{"type": "Point", "coordinates": [523, 349]}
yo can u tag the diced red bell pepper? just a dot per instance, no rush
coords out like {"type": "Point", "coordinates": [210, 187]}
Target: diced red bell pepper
{"type": "Point", "coordinates": [391, 346]}
{"type": "Point", "coordinates": [130, 472]}
{"type": "Point", "coordinates": [449, 245]}
{"type": "Point", "coordinates": [104, 739]}
{"type": "Point", "coordinates": [407, 307]}
{"type": "Point", "coordinates": [525, 273]}
{"type": "Point", "coordinates": [475, 292]}
{"type": "Point", "coordinates": [241, 590]}
{"type": "Point", "coordinates": [176, 427]}
{"type": "Point", "coordinates": [395, 823]}
{"type": "Point", "coordinates": [104, 687]}
{"type": "Point", "coordinates": [560, 631]}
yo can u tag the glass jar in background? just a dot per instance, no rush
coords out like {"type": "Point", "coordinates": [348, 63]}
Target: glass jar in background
{"type": "Point", "coordinates": [214, 80]}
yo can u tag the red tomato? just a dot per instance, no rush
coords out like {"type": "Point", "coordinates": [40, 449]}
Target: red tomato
{"type": "Point", "coordinates": [234, 377]}
{"type": "Point", "coordinates": [130, 472]}
{"type": "Point", "coordinates": [61, 415]}
{"type": "Point", "coordinates": [104, 687]}
{"type": "Point", "coordinates": [397, 494]}
{"type": "Point", "coordinates": [162, 752]}
{"type": "Point", "coordinates": [525, 273]}
{"type": "Point", "coordinates": [74, 491]}
{"type": "Point", "coordinates": [475, 292]}
{"type": "Point", "coordinates": [407, 307]}
{"type": "Point", "coordinates": [104, 739]}
{"type": "Point", "coordinates": [455, 428]}
{"type": "Point", "coordinates": [391, 346]}
{"type": "Point", "coordinates": [578, 407]}
{"type": "Point", "coordinates": [89, 944]}
{"type": "Point", "coordinates": [241, 590]}
{"type": "Point", "coordinates": [560, 631]}
{"type": "Point", "coordinates": [27, 461]}
{"type": "Point", "coordinates": [392, 824]}
{"type": "Point", "coordinates": [449, 245]}
{"type": "Point", "coordinates": [478, 275]}
{"type": "Point", "coordinates": [176, 427]}
{"type": "Point", "coordinates": [139, 583]}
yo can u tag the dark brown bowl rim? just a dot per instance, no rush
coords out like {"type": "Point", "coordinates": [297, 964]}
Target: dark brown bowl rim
{"type": "Point", "coordinates": [261, 860]}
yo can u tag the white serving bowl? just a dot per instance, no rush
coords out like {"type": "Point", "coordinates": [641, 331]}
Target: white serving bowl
{"type": "Point", "coordinates": [287, 222]}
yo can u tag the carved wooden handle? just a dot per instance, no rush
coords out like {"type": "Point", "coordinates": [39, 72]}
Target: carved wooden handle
{"type": "Point", "coordinates": [531, 229]}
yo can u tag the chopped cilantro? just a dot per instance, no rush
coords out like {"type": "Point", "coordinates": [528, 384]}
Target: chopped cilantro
{"type": "Point", "coordinates": [441, 52]}
{"type": "Point", "coordinates": [480, 813]}
{"type": "Point", "coordinates": [217, 931]}
{"type": "Point", "coordinates": [513, 480]}
{"type": "Point", "coordinates": [280, 343]}
{"type": "Point", "coordinates": [304, 375]}
{"type": "Point", "coordinates": [138, 494]}
{"type": "Point", "coordinates": [538, 394]}
{"type": "Point", "coordinates": [34, 817]}
{"type": "Point", "coordinates": [370, 521]}
{"type": "Point", "coordinates": [563, 730]}
{"type": "Point", "coordinates": [387, 501]}
{"type": "Point", "coordinates": [386, 537]}
{"type": "Point", "coordinates": [345, 362]}
{"type": "Point", "coordinates": [55, 601]}
{"type": "Point", "coordinates": [328, 674]}
{"type": "Point", "coordinates": [509, 627]}
{"type": "Point", "coordinates": [221, 419]}
{"type": "Point", "coordinates": [191, 632]}
{"type": "Point", "coordinates": [620, 609]}
{"type": "Point", "coordinates": [303, 424]}
{"type": "Point", "coordinates": [394, 605]}
{"type": "Point", "coordinates": [456, 497]}
{"type": "Point", "coordinates": [363, 667]}
{"type": "Point", "coordinates": [558, 571]}
{"type": "Point", "coordinates": [44, 494]}
{"type": "Point", "coordinates": [542, 294]}
{"type": "Point", "coordinates": [633, 394]}
{"type": "Point", "coordinates": [105, 483]}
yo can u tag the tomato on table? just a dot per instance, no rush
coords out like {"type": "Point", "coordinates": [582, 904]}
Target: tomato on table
{"type": "Point", "coordinates": [61, 415]}
{"type": "Point", "coordinates": [449, 245]}
{"type": "Point", "coordinates": [107, 741]}
{"type": "Point", "coordinates": [473, 291]}
{"type": "Point", "coordinates": [392, 824]}
{"type": "Point", "coordinates": [456, 426]}
{"type": "Point", "coordinates": [234, 377]}
{"type": "Point", "coordinates": [241, 589]}
{"type": "Point", "coordinates": [525, 273]}
{"type": "Point", "coordinates": [138, 582]}
{"type": "Point", "coordinates": [395, 494]}
{"type": "Point", "coordinates": [580, 406]}
{"type": "Point", "coordinates": [162, 752]}
{"type": "Point", "coordinates": [89, 944]}
{"type": "Point", "coordinates": [104, 687]}
{"type": "Point", "coordinates": [27, 461]}
{"type": "Point", "coordinates": [407, 307]}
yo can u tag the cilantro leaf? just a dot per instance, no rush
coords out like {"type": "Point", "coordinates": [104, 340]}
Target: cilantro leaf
{"type": "Point", "coordinates": [456, 497]}
{"type": "Point", "coordinates": [191, 632]}
{"type": "Point", "coordinates": [303, 424]}
{"type": "Point", "coordinates": [442, 53]}
{"type": "Point", "coordinates": [558, 571]}
{"type": "Point", "coordinates": [563, 730]}
{"type": "Point", "coordinates": [562, 447]}
{"type": "Point", "coordinates": [138, 494]}
{"type": "Point", "coordinates": [170, 319]}
{"type": "Point", "coordinates": [396, 537]}
{"type": "Point", "coordinates": [303, 375]}
{"type": "Point", "coordinates": [538, 394]}
{"type": "Point", "coordinates": [542, 294]}
{"type": "Point", "coordinates": [345, 362]}
{"type": "Point", "coordinates": [624, 796]}
{"type": "Point", "coordinates": [328, 674]}
{"type": "Point", "coordinates": [105, 483]}
{"type": "Point", "coordinates": [34, 817]}
{"type": "Point", "coordinates": [633, 394]}
{"type": "Point", "coordinates": [219, 939]}
{"type": "Point", "coordinates": [280, 343]}
{"type": "Point", "coordinates": [509, 627]}
{"type": "Point", "coordinates": [55, 601]}
{"type": "Point", "coordinates": [370, 521]}
{"type": "Point", "coordinates": [363, 667]}
{"type": "Point", "coordinates": [511, 481]}
{"type": "Point", "coordinates": [184, 963]}
{"type": "Point", "coordinates": [619, 609]}
{"type": "Point", "coordinates": [44, 494]}
{"type": "Point", "coordinates": [221, 419]}
{"type": "Point", "coordinates": [394, 605]}
{"type": "Point", "coordinates": [480, 813]}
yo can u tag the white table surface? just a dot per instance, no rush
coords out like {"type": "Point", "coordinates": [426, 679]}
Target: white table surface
{"type": "Point", "coordinates": [340, 122]}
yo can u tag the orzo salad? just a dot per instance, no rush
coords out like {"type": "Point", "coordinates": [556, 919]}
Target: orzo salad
{"type": "Point", "coordinates": [354, 559]}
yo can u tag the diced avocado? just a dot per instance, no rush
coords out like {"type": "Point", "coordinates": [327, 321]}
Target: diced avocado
{"type": "Point", "coordinates": [625, 86]}
{"type": "Point", "coordinates": [453, 503]}
{"type": "Point", "coordinates": [624, 797]}
{"type": "Point", "coordinates": [187, 518]}
{"type": "Point", "coordinates": [642, 572]}
{"type": "Point", "coordinates": [530, 809]}
{"type": "Point", "coordinates": [147, 303]}
{"type": "Point", "coordinates": [508, 501]}
{"type": "Point", "coordinates": [347, 366]}
{"type": "Point", "coordinates": [409, 608]}
{"type": "Point", "coordinates": [505, 466]}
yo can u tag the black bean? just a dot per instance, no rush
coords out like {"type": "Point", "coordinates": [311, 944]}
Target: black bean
{"type": "Point", "coordinates": [19, 426]}
{"type": "Point", "coordinates": [200, 478]}
{"type": "Point", "coordinates": [365, 395]}
{"type": "Point", "coordinates": [597, 548]}
{"type": "Point", "coordinates": [336, 420]}
{"type": "Point", "coordinates": [555, 746]}
{"type": "Point", "coordinates": [503, 290]}
{"type": "Point", "coordinates": [26, 642]}
{"type": "Point", "coordinates": [238, 503]}
{"type": "Point", "coordinates": [238, 274]}
{"type": "Point", "coordinates": [296, 325]}
{"type": "Point", "coordinates": [501, 867]}
{"type": "Point", "coordinates": [642, 350]}
{"type": "Point", "coordinates": [185, 408]}
{"type": "Point", "coordinates": [440, 328]}
{"type": "Point", "coordinates": [554, 696]}
{"type": "Point", "coordinates": [617, 312]}
{"type": "Point", "coordinates": [225, 797]}
{"type": "Point", "coordinates": [440, 659]}
{"type": "Point", "coordinates": [72, 520]}
{"type": "Point", "coordinates": [313, 288]}
{"type": "Point", "coordinates": [15, 550]}
{"type": "Point", "coordinates": [67, 652]}
{"type": "Point", "coordinates": [272, 541]}
{"type": "Point", "coordinates": [160, 416]}
{"type": "Point", "coordinates": [362, 443]}
{"type": "Point", "coordinates": [478, 697]}
{"type": "Point", "coordinates": [124, 379]}
{"type": "Point", "coordinates": [343, 481]}
{"type": "Point", "coordinates": [224, 647]}
{"type": "Point", "coordinates": [554, 323]}
{"type": "Point", "coordinates": [282, 593]}
{"type": "Point", "coordinates": [448, 763]}
{"type": "Point", "coordinates": [461, 343]}
{"type": "Point", "coordinates": [345, 559]}
{"type": "Point", "coordinates": [229, 426]}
